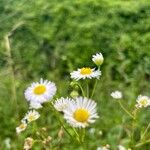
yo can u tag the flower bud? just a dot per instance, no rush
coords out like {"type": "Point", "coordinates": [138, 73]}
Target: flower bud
{"type": "Point", "coordinates": [98, 59]}
{"type": "Point", "coordinates": [74, 94]}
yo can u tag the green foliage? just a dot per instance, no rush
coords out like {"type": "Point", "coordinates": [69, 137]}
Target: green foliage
{"type": "Point", "coordinates": [51, 38]}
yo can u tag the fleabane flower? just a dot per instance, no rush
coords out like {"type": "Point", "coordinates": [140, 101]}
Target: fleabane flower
{"type": "Point", "coordinates": [40, 92]}
{"type": "Point", "coordinates": [81, 113]}
{"type": "Point", "coordinates": [98, 59]}
{"type": "Point", "coordinates": [21, 127]}
{"type": "Point", "coordinates": [84, 73]}
{"type": "Point", "coordinates": [116, 94]}
{"type": "Point", "coordinates": [62, 103]}
{"type": "Point", "coordinates": [32, 115]}
{"type": "Point", "coordinates": [142, 101]}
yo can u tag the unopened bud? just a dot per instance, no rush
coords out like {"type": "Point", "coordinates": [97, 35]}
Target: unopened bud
{"type": "Point", "coordinates": [98, 59]}
{"type": "Point", "coordinates": [74, 94]}
{"type": "Point", "coordinates": [73, 83]}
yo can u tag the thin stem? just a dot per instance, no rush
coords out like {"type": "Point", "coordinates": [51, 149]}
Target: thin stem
{"type": "Point", "coordinates": [60, 121]}
{"type": "Point", "coordinates": [83, 134]}
{"type": "Point", "coordinates": [93, 91]}
{"type": "Point", "coordinates": [87, 89]}
{"type": "Point", "coordinates": [75, 131]}
{"type": "Point", "coordinates": [81, 89]}
{"type": "Point", "coordinates": [81, 139]}
{"type": "Point", "coordinates": [145, 131]}
{"type": "Point", "coordinates": [95, 84]}
{"type": "Point", "coordinates": [126, 110]}
{"type": "Point", "coordinates": [142, 143]}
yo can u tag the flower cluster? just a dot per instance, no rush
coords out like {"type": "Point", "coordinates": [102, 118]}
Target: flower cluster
{"type": "Point", "coordinates": [142, 101]}
{"type": "Point", "coordinates": [78, 112]}
{"type": "Point", "coordinates": [36, 94]}
{"type": "Point", "coordinates": [32, 115]}
{"type": "Point", "coordinates": [87, 72]}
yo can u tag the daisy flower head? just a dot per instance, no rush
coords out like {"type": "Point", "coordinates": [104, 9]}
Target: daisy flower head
{"type": "Point", "coordinates": [143, 101]}
{"type": "Point", "coordinates": [62, 103]}
{"type": "Point", "coordinates": [116, 94]}
{"type": "Point", "coordinates": [40, 92]}
{"type": "Point", "coordinates": [81, 113]}
{"type": "Point", "coordinates": [21, 127]}
{"type": "Point", "coordinates": [32, 115]}
{"type": "Point", "coordinates": [98, 59]}
{"type": "Point", "coordinates": [84, 73]}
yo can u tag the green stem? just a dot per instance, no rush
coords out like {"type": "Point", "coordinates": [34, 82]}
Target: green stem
{"type": "Point", "coordinates": [95, 84]}
{"type": "Point", "coordinates": [82, 136]}
{"type": "Point", "coordinates": [142, 143]}
{"type": "Point", "coordinates": [87, 89]}
{"type": "Point", "coordinates": [81, 89]}
{"type": "Point", "coordinates": [126, 110]}
{"type": "Point", "coordinates": [78, 137]}
{"type": "Point", "coordinates": [145, 131]}
{"type": "Point", "coordinates": [93, 91]}
{"type": "Point", "coordinates": [60, 121]}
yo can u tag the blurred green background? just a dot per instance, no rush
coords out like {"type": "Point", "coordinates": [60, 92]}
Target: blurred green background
{"type": "Point", "coordinates": [51, 38]}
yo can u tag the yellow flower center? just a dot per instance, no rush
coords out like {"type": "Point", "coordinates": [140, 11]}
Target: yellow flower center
{"type": "Point", "coordinates": [31, 117]}
{"type": "Point", "coordinates": [81, 115]}
{"type": "Point", "coordinates": [86, 71]}
{"type": "Point", "coordinates": [143, 102]}
{"type": "Point", "coordinates": [22, 126]}
{"type": "Point", "coordinates": [40, 89]}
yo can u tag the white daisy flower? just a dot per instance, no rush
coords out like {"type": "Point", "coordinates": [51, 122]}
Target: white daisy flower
{"type": "Point", "coordinates": [35, 105]}
{"type": "Point", "coordinates": [81, 113]}
{"type": "Point", "coordinates": [143, 101]}
{"type": "Point", "coordinates": [40, 92]}
{"type": "Point", "coordinates": [116, 95]}
{"type": "Point", "coordinates": [32, 115]}
{"type": "Point", "coordinates": [98, 59]}
{"type": "Point", "coordinates": [21, 127]}
{"type": "Point", "coordinates": [84, 73]}
{"type": "Point", "coordinates": [62, 103]}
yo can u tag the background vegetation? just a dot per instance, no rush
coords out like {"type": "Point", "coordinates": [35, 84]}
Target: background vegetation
{"type": "Point", "coordinates": [50, 38]}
